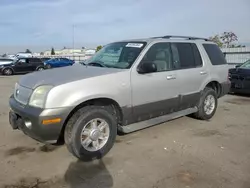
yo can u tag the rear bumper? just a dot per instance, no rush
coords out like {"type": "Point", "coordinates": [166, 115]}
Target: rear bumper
{"type": "Point", "coordinates": [225, 88]}
{"type": "Point", "coordinates": [29, 120]}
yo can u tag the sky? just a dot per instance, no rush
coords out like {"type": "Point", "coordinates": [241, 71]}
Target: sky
{"type": "Point", "coordinates": [41, 24]}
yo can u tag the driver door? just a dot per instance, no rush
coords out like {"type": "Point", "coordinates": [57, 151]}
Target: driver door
{"type": "Point", "coordinates": [155, 94]}
{"type": "Point", "coordinates": [21, 66]}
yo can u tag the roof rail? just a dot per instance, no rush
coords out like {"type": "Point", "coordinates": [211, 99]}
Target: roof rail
{"type": "Point", "coordinates": [185, 37]}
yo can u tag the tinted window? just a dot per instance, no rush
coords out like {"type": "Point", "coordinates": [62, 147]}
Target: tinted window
{"type": "Point", "coordinates": [35, 60]}
{"type": "Point", "coordinates": [160, 54]}
{"type": "Point", "coordinates": [183, 55]}
{"type": "Point", "coordinates": [214, 53]}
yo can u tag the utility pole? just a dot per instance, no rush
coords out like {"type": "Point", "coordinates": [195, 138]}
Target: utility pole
{"type": "Point", "coordinates": [73, 40]}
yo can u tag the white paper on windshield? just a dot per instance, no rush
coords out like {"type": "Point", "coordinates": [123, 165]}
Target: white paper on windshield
{"type": "Point", "coordinates": [134, 45]}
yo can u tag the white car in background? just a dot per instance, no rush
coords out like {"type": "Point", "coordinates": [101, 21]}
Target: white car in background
{"type": "Point", "coordinates": [4, 61]}
{"type": "Point", "coordinates": [23, 55]}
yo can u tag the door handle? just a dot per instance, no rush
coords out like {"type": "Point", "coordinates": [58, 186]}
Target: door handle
{"type": "Point", "coordinates": [171, 77]}
{"type": "Point", "coordinates": [203, 72]}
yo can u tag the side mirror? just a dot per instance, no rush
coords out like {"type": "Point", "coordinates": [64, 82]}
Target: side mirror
{"type": "Point", "coordinates": [147, 67]}
{"type": "Point", "coordinates": [237, 66]}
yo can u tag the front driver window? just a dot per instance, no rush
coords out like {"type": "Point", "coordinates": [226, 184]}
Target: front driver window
{"type": "Point", "coordinates": [160, 55]}
{"type": "Point", "coordinates": [21, 61]}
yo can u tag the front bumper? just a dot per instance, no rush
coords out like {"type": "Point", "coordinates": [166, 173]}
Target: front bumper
{"type": "Point", "coordinates": [29, 120]}
{"type": "Point", "coordinates": [240, 86]}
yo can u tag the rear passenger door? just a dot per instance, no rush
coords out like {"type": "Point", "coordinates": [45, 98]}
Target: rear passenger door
{"type": "Point", "coordinates": [191, 73]}
{"type": "Point", "coordinates": [34, 63]}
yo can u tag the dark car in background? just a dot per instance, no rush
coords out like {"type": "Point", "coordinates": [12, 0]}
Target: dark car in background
{"type": "Point", "coordinates": [22, 65]}
{"type": "Point", "coordinates": [58, 62]}
{"type": "Point", "coordinates": [240, 78]}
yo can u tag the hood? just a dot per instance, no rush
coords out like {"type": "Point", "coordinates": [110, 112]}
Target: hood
{"type": "Point", "coordinates": [239, 70]}
{"type": "Point", "coordinates": [64, 75]}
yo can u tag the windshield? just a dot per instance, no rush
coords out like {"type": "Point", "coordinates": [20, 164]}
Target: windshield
{"type": "Point", "coordinates": [117, 55]}
{"type": "Point", "coordinates": [246, 64]}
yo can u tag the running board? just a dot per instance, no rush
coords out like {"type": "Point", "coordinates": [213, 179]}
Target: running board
{"type": "Point", "coordinates": [154, 121]}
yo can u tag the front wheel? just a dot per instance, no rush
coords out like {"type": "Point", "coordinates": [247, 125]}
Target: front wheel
{"type": "Point", "coordinates": [90, 133]}
{"type": "Point", "coordinates": [207, 105]}
{"type": "Point", "coordinates": [7, 71]}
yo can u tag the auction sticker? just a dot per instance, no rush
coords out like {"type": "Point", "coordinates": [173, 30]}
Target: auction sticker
{"type": "Point", "coordinates": [134, 45]}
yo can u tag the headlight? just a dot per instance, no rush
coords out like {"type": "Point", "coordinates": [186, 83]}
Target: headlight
{"type": "Point", "coordinates": [39, 95]}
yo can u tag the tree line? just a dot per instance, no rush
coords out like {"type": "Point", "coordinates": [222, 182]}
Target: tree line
{"type": "Point", "coordinates": [226, 39]}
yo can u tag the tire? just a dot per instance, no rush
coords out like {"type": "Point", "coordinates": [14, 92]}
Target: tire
{"type": "Point", "coordinates": [40, 69]}
{"type": "Point", "coordinates": [8, 71]}
{"type": "Point", "coordinates": [202, 114]}
{"type": "Point", "coordinates": [79, 121]}
{"type": "Point", "coordinates": [48, 66]}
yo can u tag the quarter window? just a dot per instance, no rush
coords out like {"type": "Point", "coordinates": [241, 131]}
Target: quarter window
{"type": "Point", "coordinates": [215, 55]}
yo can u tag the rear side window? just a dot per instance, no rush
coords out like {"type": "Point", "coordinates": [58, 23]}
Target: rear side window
{"type": "Point", "coordinates": [35, 60]}
{"type": "Point", "coordinates": [185, 55]}
{"type": "Point", "coordinates": [215, 55]}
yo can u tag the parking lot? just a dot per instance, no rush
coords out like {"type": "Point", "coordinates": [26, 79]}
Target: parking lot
{"type": "Point", "coordinates": [180, 153]}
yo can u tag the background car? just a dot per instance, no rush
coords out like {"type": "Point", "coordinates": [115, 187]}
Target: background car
{"type": "Point", "coordinates": [22, 65]}
{"type": "Point", "coordinates": [58, 62]}
{"type": "Point", "coordinates": [5, 61]}
{"type": "Point", "coordinates": [240, 78]}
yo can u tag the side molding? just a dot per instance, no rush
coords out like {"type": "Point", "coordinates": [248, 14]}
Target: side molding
{"type": "Point", "coordinates": [154, 121]}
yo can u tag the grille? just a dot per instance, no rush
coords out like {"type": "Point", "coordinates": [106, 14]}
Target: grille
{"type": "Point", "coordinates": [22, 94]}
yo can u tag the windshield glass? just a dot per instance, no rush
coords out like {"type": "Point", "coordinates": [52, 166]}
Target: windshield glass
{"type": "Point", "coordinates": [117, 55]}
{"type": "Point", "coordinates": [246, 64]}
{"type": "Point", "coordinates": [15, 60]}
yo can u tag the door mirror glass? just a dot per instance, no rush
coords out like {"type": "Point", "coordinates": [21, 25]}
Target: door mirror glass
{"type": "Point", "coordinates": [147, 67]}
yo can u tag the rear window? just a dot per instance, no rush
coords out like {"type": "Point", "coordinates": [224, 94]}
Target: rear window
{"type": "Point", "coordinates": [215, 54]}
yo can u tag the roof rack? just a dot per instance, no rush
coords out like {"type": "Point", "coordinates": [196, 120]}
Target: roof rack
{"type": "Point", "coordinates": [183, 37]}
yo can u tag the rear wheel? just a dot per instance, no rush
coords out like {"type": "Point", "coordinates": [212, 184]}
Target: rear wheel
{"type": "Point", "coordinates": [40, 68]}
{"type": "Point", "coordinates": [8, 71]}
{"type": "Point", "coordinates": [90, 133]}
{"type": "Point", "coordinates": [207, 105]}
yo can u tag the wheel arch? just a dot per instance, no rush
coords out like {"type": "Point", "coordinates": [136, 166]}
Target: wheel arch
{"type": "Point", "coordinates": [8, 68]}
{"type": "Point", "coordinates": [39, 66]}
{"type": "Point", "coordinates": [215, 85]}
{"type": "Point", "coordinates": [101, 101]}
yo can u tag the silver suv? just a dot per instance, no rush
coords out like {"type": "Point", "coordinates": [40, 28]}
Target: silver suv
{"type": "Point", "coordinates": [126, 86]}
